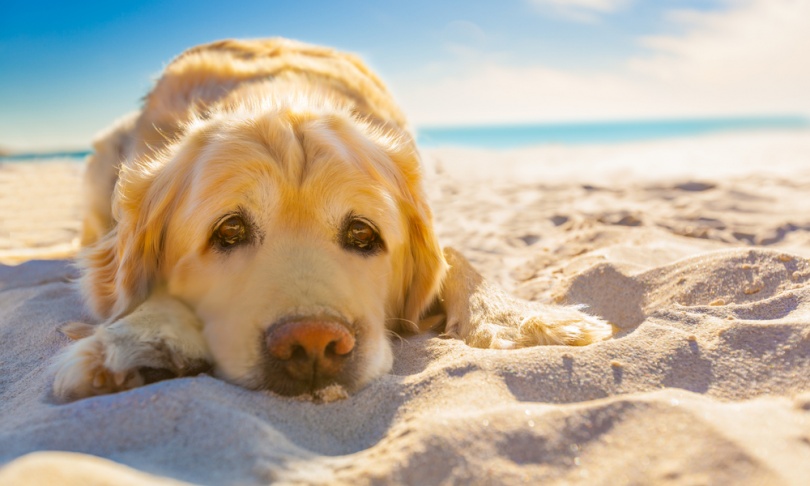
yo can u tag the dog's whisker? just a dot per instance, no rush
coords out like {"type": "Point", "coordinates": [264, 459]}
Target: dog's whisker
{"type": "Point", "coordinates": [409, 324]}
{"type": "Point", "coordinates": [394, 336]}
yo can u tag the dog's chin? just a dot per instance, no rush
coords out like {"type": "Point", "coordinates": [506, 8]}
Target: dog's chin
{"type": "Point", "coordinates": [297, 389]}
{"type": "Point", "coordinates": [270, 375]}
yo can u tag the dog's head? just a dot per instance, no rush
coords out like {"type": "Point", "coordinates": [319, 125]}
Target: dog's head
{"type": "Point", "coordinates": [299, 236]}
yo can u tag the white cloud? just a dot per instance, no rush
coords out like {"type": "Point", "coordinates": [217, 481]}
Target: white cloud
{"type": "Point", "coordinates": [753, 58]}
{"type": "Point", "coordinates": [761, 43]}
{"type": "Point", "coordinates": [579, 10]}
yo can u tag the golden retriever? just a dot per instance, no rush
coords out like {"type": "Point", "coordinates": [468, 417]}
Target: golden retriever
{"type": "Point", "coordinates": [263, 216]}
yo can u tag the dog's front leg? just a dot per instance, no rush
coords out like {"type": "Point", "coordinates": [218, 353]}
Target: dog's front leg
{"type": "Point", "coordinates": [161, 338]}
{"type": "Point", "coordinates": [484, 316]}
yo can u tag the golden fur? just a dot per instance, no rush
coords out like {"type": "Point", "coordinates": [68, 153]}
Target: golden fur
{"type": "Point", "coordinates": [294, 139]}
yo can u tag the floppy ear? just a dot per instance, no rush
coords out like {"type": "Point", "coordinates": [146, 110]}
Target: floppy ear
{"type": "Point", "coordinates": [427, 264]}
{"type": "Point", "coordinates": [120, 269]}
{"type": "Point", "coordinates": [424, 264]}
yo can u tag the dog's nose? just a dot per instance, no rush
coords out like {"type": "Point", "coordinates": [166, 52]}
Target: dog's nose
{"type": "Point", "coordinates": [311, 349]}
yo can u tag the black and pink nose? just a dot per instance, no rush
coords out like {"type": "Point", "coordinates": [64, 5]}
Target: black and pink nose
{"type": "Point", "coordinates": [310, 351]}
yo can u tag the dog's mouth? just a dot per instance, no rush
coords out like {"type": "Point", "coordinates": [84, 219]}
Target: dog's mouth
{"type": "Point", "coordinates": [315, 357]}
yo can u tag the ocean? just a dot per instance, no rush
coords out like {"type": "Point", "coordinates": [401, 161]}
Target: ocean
{"type": "Point", "coordinates": [516, 136]}
{"type": "Point", "coordinates": [524, 135]}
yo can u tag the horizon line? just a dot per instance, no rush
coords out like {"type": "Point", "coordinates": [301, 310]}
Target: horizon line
{"type": "Point", "coordinates": [759, 121]}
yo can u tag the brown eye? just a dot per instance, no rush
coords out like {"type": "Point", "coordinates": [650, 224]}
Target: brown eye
{"type": "Point", "coordinates": [362, 237]}
{"type": "Point", "coordinates": [230, 232]}
{"type": "Point", "coordinates": [361, 234]}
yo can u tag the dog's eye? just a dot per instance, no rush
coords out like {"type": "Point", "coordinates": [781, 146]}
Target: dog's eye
{"type": "Point", "coordinates": [361, 234]}
{"type": "Point", "coordinates": [362, 237]}
{"type": "Point", "coordinates": [231, 231]}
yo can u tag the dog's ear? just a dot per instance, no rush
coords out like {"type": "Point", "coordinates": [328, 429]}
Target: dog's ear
{"type": "Point", "coordinates": [121, 268]}
{"type": "Point", "coordinates": [424, 265]}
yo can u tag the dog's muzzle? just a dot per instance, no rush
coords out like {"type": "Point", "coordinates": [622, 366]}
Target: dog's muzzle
{"type": "Point", "coordinates": [307, 354]}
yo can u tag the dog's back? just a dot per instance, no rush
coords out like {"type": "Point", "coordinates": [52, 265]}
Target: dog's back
{"type": "Point", "coordinates": [204, 76]}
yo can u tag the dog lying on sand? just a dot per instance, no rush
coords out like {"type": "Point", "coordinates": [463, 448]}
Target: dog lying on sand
{"type": "Point", "coordinates": [263, 217]}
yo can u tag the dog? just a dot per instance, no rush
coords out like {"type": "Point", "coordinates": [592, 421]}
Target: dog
{"type": "Point", "coordinates": [263, 217]}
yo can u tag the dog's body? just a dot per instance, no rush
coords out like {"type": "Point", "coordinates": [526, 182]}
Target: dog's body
{"type": "Point", "coordinates": [268, 220]}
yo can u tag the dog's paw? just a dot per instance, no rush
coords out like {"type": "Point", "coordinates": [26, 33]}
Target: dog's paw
{"type": "Point", "coordinates": [118, 357]}
{"type": "Point", "coordinates": [484, 316]}
{"type": "Point", "coordinates": [537, 325]}
{"type": "Point", "coordinates": [561, 325]}
{"type": "Point", "coordinates": [81, 371]}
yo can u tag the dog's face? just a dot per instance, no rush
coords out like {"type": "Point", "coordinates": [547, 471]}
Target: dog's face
{"type": "Point", "coordinates": [299, 239]}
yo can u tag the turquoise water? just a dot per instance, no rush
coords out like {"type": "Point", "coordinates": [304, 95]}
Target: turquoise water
{"type": "Point", "coordinates": [514, 136]}
{"type": "Point", "coordinates": [77, 155]}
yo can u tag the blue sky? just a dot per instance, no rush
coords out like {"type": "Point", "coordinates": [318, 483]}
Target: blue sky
{"type": "Point", "coordinates": [69, 68]}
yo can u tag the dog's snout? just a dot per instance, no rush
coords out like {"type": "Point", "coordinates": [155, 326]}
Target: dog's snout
{"type": "Point", "coordinates": [316, 339]}
{"type": "Point", "coordinates": [311, 349]}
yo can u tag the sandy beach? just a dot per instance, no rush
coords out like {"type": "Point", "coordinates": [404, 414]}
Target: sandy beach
{"type": "Point", "coordinates": [695, 249]}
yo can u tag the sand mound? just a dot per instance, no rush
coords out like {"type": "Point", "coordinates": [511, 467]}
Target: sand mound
{"type": "Point", "coordinates": [706, 381]}
{"type": "Point", "coordinates": [680, 396]}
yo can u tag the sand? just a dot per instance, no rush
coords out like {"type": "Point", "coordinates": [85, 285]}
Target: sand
{"type": "Point", "coordinates": [40, 209]}
{"type": "Point", "coordinates": [695, 249]}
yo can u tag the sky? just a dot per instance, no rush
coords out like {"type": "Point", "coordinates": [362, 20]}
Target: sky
{"type": "Point", "coordinates": [68, 69]}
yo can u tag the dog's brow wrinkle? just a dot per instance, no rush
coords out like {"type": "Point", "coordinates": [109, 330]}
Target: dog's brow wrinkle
{"type": "Point", "coordinates": [305, 165]}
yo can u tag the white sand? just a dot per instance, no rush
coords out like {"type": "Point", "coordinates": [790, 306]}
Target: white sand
{"type": "Point", "coordinates": [39, 209]}
{"type": "Point", "coordinates": [695, 249]}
